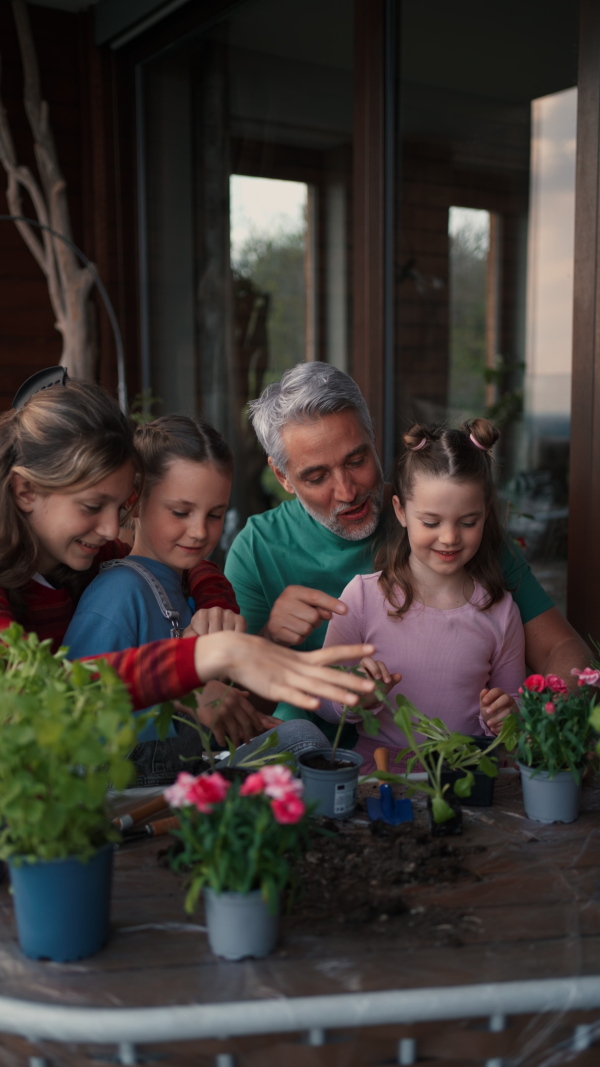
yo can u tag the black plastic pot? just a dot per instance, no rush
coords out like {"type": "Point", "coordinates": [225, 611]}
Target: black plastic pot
{"type": "Point", "coordinates": [451, 827]}
{"type": "Point", "coordinates": [482, 792]}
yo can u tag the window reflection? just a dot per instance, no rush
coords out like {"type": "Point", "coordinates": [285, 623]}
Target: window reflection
{"type": "Point", "coordinates": [485, 244]}
{"type": "Point", "coordinates": [539, 490]}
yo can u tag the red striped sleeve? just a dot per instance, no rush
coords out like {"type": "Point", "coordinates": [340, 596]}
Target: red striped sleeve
{"type": "Point", "coordinates": [210, 588]}
{"type": "Point", "coordinates": [162, 670]}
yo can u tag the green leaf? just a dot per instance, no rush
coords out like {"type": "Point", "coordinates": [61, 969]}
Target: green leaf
{"type": "Point", "coordinates": [163, 720]}
{"type": "Point", "coordinates": [463, 786]}
{"type": "Point", "coordinates": [488, 766]}
{"type": "Point", "coordinates": [441, 810]}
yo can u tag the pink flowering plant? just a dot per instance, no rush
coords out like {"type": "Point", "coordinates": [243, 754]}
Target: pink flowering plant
{"type": "Point", "coordinates": [552, 731]}
{"type": "Point", "coordinates": [239, 835]}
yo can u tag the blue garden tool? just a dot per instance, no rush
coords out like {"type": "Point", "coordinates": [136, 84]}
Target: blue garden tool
{"type": "Point", "coordinates": [387, 808]}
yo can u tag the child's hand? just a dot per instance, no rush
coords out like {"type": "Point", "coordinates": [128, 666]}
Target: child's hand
{"type": "Point", "coordinates": [213, 620]}
{"type": "Point", "coordinates": [228, 713]}
{"type": "Point", "coordinates": [376, 669]}
{"type": "Point", "coordinates": [277, 673]}
{"type": "Point", "coordinates": [494, 706]}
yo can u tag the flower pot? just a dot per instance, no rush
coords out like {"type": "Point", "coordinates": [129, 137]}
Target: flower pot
{"type": "Point", "coordinates": [240, 924]}
{"type": "Point", "coordinates": [547, 799]}
{"type": "Point", "coordinates": [63, 906]}
{"type": "Point", "coordinates": [482, 793]}
{"type": "Point", "coordinates": [451, 827]}
{"type": "Point", "coordinates": [333, 790]}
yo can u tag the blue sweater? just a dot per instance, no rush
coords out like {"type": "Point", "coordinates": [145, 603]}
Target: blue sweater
{"type": "Point", "coordinates": [118, 610]}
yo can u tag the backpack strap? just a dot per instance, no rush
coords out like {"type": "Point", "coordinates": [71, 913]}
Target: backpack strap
{"type": "Point", "coordinates": [167, 610]}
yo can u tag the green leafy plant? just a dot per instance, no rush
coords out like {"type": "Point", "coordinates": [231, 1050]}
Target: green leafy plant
{"type": "Point", "coordinates": [66, 731]}
{"type": "Point", "coordinates": [140, 409]}
{"type": "Point", "coordinates": [440, 750]}
{"type": "Point", "coordinates": [167, 713]}
{"type": "Point", "coordinates": [553, 728]}
{"type": "Point", "coordinates": [241, 835]}
{"type": "Point", "coordinates": [369, 719]}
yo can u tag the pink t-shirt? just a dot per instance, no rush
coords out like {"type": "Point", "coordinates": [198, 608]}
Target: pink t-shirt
{"type": "Point", "coordinates": [445, 657]}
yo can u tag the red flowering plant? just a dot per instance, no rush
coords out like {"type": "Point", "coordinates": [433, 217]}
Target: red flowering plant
{"type": "Point", "coordinates": [239, 835]}
{"type": "Point", "coordinates": [551, 731]}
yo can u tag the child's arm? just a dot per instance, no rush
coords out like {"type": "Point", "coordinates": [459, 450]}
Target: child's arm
{"type": "Point", "coordinates": [209, 587]}
{"type": "Point", "coordinates": [166, 670]}
{"type": "Point", "coordinates": [507, 672]}
{"type": "Point", "coordinates": [348, 629]}
{"type": "Point", "coordinates": [213, 595]}
{"type": "Point", "coordinates": [213, 620]}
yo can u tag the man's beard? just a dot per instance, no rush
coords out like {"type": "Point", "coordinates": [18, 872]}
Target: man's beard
{"type": "Point", "coordinates": [346, 530]}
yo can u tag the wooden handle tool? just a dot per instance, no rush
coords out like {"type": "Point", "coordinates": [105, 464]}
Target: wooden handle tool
{"type": "Point", "coordinates": [125, 822]}
{"type": "Point", "coordinates": [382, 759]}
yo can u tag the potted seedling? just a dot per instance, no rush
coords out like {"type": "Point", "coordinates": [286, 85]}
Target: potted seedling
{"type": "Point", "coordinates": [330, 775]}
{"type": "Point", "coordinates": [553, 736]}
{"type": "Point", "coordinates": [450, 760]}
{"type": "Point", "coordinates": [238, 838]}
{"type": "Point", "coordinates": [66, 731]}
{"type": "Point", "coordinates": [239, 763]}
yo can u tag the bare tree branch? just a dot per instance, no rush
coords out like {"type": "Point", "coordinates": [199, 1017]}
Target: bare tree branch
{"type": "Point", "coordinates": [68, 284]}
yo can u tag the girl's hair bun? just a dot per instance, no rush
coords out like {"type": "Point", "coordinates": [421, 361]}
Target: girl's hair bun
{"type": "Point", "coordinates": [482, 432]}
{"type": "Point", "coordinates": [417, 437]}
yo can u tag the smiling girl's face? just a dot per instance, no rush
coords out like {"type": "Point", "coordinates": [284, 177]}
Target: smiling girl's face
{"type": "Point", "coordinates": [180, 520]}
{"type": "Point", "coordinates": [71, 526]}
{"type": "Point", "coordinates": [444, 519]}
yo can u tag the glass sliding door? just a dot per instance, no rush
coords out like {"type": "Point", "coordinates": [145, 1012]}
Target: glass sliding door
{"type": "Point", "coordinates": [246, 148]}
{"type": "Point", "coordinates": [484, 247]}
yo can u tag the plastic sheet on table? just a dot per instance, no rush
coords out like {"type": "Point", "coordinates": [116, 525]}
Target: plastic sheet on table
{"type": "Point", "coordinates": [518, 901]}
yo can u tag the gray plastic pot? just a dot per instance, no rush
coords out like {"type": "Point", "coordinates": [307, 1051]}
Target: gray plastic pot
{"type": "Point", "coordinates": [334, 791]}
{"type": "Point", "coordinates": [547, 799]}
{"type": "Point", "coordinates": [240, 924]}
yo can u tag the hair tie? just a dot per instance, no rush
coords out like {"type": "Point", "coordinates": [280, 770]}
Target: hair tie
{"type": "Point", "coordinates": [476, 443]}
{"type": "Point", "coordinates": [421, 444]}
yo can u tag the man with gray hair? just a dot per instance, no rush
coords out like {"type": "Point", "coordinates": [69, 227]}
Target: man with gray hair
{"type": "Point", "coordinates": [289, 565]}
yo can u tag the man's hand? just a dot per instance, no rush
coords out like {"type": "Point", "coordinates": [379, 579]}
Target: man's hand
{"type": "Point", "coordinates": [213, 620]}
{"type": "Point", "coordinates": [297, 612]}
{"type": "Point", "coordinates": [377, 670]}
{"type": "Point", "coordinates": [494, 706]}
{"type": "Point", "coordinates": [228, 713]}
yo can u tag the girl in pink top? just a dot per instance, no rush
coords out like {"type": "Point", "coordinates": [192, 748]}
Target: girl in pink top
{"type": "Point", "coordinates": [447, 634]}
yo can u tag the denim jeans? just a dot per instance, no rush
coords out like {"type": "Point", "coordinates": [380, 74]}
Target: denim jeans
{"type": "Point", "coordinates": [295, 735]}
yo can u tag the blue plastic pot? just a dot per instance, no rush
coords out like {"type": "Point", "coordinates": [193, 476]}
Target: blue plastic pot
{"type": "Point", "coordinates": [63, 906]}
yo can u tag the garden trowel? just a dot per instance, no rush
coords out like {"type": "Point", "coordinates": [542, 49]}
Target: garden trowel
{"type": "Point", "coordinates": [387, 808]}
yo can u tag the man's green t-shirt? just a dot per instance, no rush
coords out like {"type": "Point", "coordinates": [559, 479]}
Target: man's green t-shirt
{"type": "Point", "coordinates": [286, 546]}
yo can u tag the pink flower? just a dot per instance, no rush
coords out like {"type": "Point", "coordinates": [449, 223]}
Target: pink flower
{"type": "Point", "coordinates": [550, 708]}
{"type": "Point", "coordinates": [207, 790]}
{"type": "Point", "coordinates": [586, 677]}
{"type": "Point", "coordinates": [279, 781]}
{"type": "Point", "coordinates": [288, 808]}
{"type": "Point", "coordinates": [253, 784]}
{"type": "Point", "coordinates": [556, 684]}
{"type": "Point", "coordinates": [536, 683]}
{"type": "Point", "coordinates": [177, 794]}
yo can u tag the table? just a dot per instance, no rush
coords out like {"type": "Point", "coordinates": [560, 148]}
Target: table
{"type": "Point", "coordinates": [526, 911]}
